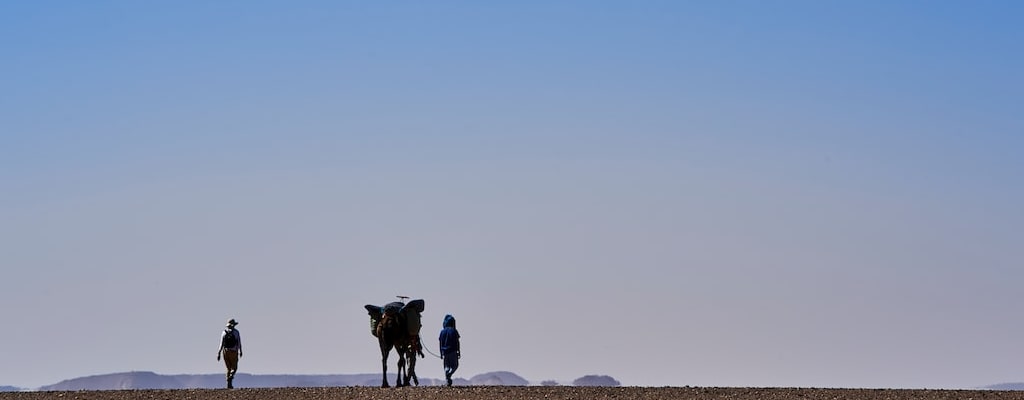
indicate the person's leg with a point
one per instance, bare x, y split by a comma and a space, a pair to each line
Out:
231, 362
227, 367
451, 363
444, 360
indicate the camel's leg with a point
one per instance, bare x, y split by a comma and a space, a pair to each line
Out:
384, 365
404, 370
412, 367
398, 375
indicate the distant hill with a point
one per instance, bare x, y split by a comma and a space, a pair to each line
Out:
1006, 386
596, 380
499, 378
149, 380
10, 389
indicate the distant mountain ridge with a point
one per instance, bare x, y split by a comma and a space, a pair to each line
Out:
151, 380
1006, 386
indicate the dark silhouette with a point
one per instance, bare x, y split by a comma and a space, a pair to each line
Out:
390, 324
231, 349
450, 350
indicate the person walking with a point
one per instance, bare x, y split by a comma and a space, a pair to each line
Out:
450, 351
231, 349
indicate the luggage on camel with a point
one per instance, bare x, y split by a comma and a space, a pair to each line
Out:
393, 307
412, 312
408, 314
376, 314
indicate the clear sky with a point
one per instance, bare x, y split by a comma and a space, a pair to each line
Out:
728, 193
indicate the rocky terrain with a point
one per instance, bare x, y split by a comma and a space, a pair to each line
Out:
516, 393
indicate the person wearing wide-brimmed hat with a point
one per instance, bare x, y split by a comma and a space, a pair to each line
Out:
231, 349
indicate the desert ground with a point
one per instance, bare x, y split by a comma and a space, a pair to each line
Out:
515, 393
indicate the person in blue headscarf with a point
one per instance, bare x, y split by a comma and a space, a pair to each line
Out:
450, 351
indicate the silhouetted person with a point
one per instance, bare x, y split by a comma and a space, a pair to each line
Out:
450, 351
231, 348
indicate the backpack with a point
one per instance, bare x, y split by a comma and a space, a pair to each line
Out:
229, 340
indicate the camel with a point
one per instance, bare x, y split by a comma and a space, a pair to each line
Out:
396, 325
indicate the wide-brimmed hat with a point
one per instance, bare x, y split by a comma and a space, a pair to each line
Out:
232, 322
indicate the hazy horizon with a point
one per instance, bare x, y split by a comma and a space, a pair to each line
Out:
145, 380
738, 193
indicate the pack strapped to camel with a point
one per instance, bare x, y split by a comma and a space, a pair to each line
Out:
396, 312
392, 316
376, 313
412, 312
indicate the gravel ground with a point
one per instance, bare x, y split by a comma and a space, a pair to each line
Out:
516, 393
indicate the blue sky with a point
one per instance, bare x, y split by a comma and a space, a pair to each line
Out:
671, 193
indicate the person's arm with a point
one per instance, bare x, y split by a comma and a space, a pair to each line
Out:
440, 344
221, 348
238, 337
